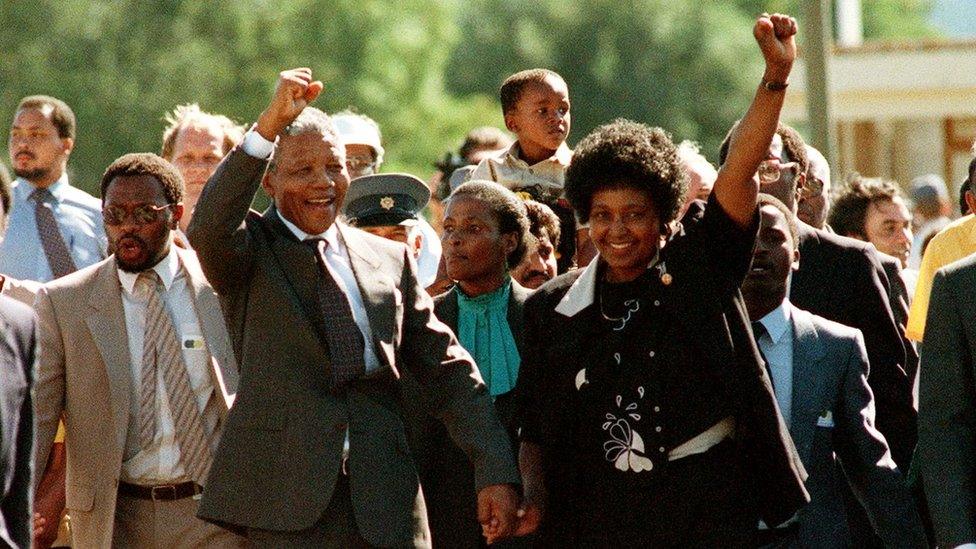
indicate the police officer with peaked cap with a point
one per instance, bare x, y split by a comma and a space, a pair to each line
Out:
388, 205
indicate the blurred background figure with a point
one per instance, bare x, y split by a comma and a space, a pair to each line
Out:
813, 204
195, 142
480, 143
364, 155
701, 173
539, 265
55, 228
874, 210
931, 209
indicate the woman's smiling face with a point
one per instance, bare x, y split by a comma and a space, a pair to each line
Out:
626, 230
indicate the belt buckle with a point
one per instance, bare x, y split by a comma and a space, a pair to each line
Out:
156, 491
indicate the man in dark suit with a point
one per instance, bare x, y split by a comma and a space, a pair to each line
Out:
347, 314
819, 370
947, 405
842, 279
18, 342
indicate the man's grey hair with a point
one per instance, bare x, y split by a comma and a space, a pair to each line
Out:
310, 121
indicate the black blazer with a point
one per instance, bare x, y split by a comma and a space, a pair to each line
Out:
842, 279
446, 476
18, 342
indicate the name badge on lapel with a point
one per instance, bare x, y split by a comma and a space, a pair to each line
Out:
193, 342
826, 420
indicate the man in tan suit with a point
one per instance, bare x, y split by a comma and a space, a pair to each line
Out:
135, 356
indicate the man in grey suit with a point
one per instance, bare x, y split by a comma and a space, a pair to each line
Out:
324, 317
819, 373
18, 342
947, 405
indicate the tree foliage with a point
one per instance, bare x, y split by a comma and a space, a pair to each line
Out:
426, 70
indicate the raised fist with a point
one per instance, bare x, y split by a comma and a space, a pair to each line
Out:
294, 92
775, 33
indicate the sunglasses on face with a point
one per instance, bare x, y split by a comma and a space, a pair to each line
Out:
141, 215
771, 170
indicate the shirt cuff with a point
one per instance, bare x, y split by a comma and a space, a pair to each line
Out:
257, 146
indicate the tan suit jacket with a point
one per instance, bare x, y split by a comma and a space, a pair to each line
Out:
84, 374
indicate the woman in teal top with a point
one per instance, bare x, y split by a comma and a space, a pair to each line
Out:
485, 235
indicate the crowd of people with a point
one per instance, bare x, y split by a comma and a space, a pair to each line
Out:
619, 345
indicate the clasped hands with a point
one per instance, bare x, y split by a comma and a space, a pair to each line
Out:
501, 516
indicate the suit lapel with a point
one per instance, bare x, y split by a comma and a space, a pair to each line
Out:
301, 270
106, 321
447, 310
808, 352
223, 371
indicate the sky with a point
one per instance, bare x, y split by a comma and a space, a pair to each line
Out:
956, 18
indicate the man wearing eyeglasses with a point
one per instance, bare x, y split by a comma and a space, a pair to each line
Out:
135, 355
843, 280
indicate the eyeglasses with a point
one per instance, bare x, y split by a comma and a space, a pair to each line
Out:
141, 215
771, 170
812, 187
359, 164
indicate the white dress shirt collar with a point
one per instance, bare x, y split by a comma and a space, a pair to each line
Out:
777, 321
331, 235
167, 270
57, 189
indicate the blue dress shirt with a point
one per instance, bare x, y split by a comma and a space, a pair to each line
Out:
79, 217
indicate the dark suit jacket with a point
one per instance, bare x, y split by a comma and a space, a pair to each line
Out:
947, 404
842, 279
18, 341
445, 472
280, 455
833, 418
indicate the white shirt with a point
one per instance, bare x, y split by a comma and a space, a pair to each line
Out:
160, 463
777, 347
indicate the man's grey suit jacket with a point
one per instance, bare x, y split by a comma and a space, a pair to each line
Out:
279, 458
947, 404
833, 418
18, 343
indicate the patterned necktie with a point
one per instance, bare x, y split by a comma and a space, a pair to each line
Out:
758, 330
58, 256
343, 336
161, 350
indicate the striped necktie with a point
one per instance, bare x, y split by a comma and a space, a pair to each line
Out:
56, 250
759, 330
161, 351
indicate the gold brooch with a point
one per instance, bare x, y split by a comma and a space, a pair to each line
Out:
666, 279
387, 202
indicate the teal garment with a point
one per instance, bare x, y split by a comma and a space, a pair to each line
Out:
483, 330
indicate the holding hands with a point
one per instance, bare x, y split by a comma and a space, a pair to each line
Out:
775, 35
294, 92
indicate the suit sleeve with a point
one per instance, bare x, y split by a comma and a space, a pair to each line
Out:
453, 385
867, 461
17, 505
49, 385
217, 231
947, 423
892, 388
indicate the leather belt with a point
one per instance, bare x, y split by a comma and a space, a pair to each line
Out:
704, 441
160, 492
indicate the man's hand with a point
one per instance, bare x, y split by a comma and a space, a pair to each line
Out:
497, 506
295, 91
775, 33
529, 517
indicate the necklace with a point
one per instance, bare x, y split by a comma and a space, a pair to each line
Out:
632, 306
